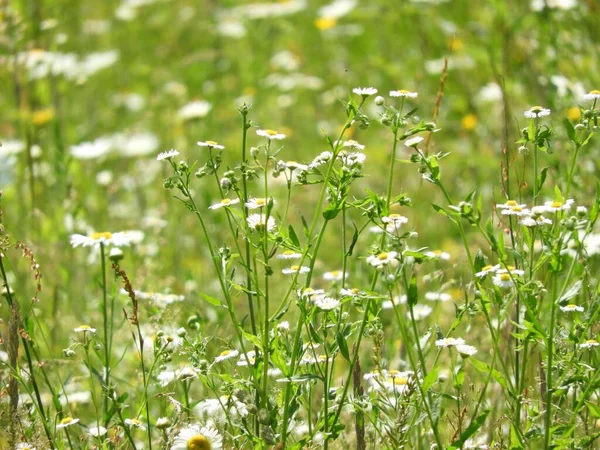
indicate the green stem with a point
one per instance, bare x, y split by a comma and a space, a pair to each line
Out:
105, 336
550, 347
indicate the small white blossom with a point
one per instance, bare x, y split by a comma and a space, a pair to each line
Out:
226, 354
97, 431
592, 95
327, 303
167, 155
383, 259
289, 254
259, 222
404, 93
365, 92
85, 329
67, 421
224, 203
466, 350
572, 308
335, 275
413, 142
194, 110
210, 144
270, 134
555, 206
536, 111
295, 269
449, 342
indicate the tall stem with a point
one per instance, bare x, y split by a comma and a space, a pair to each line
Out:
106, 332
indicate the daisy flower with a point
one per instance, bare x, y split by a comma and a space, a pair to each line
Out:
365, 92
395, 219
503, 281
84, 329
512, 270
592, 95
224, 202
509, 204
438, 254
67, 421
555, 206
590, 343
351, 143
194, 110
295, 269
334, 275
327, 303
270, 134
289, 254
25, 446
256, 203
530, 221
404, 93
120, 239
352, 292
227, 354
466, 350
167, 155
372, 375
383, 259
413, 142
97, 431
438, 297
308, 293
293, 165
449, 342
536, 111
135, 424
247, 359
487, 269
196, 437
420, 312
515, 210
572, 308
210, 144
259, 222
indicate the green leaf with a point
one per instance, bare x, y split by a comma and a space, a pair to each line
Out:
354, 240
542, 178
558, 197
570, 130
479, 262
440, 210
341, 340
209, 299
412, 294
470, 431
293, 236
430, 379
572, 292
331, 212
254, 340
486, 369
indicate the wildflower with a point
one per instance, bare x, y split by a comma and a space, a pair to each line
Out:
295, 269
270, 134
25, 446
420, 312
512, 270
256, 203
352, 292
97, 431
404, 93
120, 239
134, 423
260, 222
91, 150
383, 259
466, 350
413, 142
194, 110
85, 329
283, 325
572, 308
308, 293
292, 165
438, 254
373, 375
335, 275
503, 281
224, 203
289, 254
592, 95
351, 143
42, 116
247, 359
398, 300
167, 155
365, 92
438, 297
509, 204
67, 421
327, 303
514, 210
449, 342
469, 122
226, 354
530, 221
196, 437
536, 111
555, 206
320, 160
163, 423
590, 343
210, 144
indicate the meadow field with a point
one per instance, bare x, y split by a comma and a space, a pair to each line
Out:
293, 224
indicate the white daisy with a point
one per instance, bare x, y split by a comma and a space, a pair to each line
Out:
509, 204
194, 110
516, 210
226, 354
398, 300
555, 206
365, 92
85, 329
466, 350
224, 202
592, 95
503, 281
404, 93
320, 160
327, 303
373, 375
351, 143
25, 446
536, 111
308, 293
420, 312
289, 254
259, 222
196, 437
256, 203
295, 269
334, 275
449, 342
487, 269
438, 297
413, 142
590, 343
120, 239
97, 431
383, 259
211, 144
67, 421
270, 134
530, 221
167, 155
293, 165
512, 270
351, 292
572, 308
247, 359
134, 423
438, 254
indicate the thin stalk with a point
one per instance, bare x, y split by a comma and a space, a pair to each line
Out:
105, 337
550, 346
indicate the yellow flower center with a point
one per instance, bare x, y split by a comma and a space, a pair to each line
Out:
261, 201
295, 268
516, 208
510, 268
511, 203
394, 216
66, 420
505, 277
382, 256
226, 201
225, 353
85, 327
393, 373
211, 143
335, 273
198, 442
288, 252
556, 204
437, 252
101, 235
469, 122
355, 290
595, 92
591, 341
42, 117
488, 267
271, 132
325, 23
571, 307
403, 91
400, 381
537, 109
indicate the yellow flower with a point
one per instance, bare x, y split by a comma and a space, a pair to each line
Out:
469, 122
456, 44
574, 113
325, 23
42, 117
